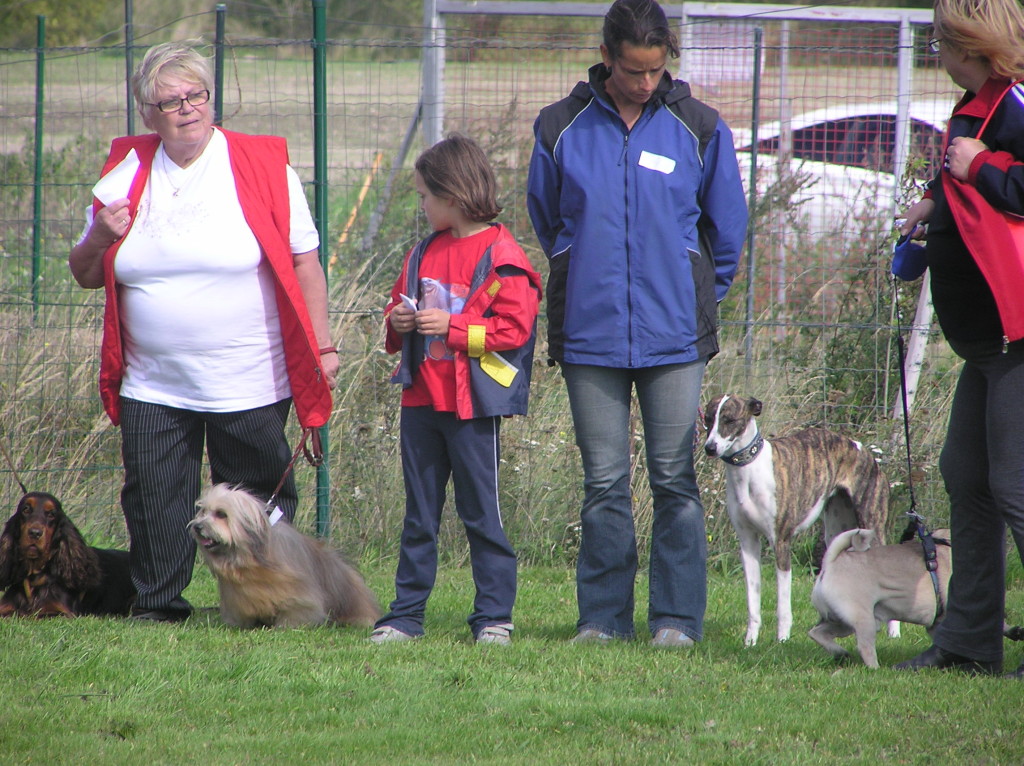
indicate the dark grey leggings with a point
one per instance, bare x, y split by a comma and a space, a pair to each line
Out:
982, 464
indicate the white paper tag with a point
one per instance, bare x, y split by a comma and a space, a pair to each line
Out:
275, 516
656, 162
117, 183
410, 303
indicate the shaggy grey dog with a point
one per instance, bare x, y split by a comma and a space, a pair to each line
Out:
272, 575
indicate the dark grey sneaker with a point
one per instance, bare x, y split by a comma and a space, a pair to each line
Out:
496, 634
670, 638
591, 636
386, 634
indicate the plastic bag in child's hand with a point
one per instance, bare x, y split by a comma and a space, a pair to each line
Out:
908, 259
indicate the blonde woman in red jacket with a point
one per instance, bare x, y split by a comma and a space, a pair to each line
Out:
976, 265
215, 316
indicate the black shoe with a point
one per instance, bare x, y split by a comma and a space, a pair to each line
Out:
940, 659
1018, 674
159, 615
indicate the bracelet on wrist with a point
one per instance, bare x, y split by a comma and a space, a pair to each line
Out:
328, 350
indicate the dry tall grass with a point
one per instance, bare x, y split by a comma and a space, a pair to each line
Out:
828, 361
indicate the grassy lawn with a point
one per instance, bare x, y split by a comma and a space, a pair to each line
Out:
108, 691
112, 692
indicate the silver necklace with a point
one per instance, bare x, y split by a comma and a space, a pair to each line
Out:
167, 174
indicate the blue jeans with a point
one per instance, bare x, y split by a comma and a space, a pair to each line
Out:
669, 397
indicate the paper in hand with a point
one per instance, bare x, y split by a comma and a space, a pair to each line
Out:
116, 184
410, 303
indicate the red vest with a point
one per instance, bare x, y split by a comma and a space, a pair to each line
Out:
996, 240
258, 164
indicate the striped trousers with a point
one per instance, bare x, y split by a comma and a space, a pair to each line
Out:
162, 450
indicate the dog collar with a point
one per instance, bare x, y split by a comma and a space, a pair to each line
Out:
748, 453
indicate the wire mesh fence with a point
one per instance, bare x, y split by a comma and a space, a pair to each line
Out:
808, 327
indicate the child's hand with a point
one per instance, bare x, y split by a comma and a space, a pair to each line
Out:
433, 322
402, 318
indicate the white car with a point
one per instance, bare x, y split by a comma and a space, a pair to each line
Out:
839, 181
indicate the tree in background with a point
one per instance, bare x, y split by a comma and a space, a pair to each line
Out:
101, 22
68, 22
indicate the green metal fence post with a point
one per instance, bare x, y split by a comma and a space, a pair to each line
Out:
755, 121
129, 65
323, 482
37, 180
218, 71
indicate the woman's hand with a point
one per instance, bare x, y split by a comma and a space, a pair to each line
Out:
961, 154
110, 224
918, 215
329, 363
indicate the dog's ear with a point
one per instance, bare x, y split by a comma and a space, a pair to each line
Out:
754, 405
710, 407
9, 550
863, 540
253, 524
74, 562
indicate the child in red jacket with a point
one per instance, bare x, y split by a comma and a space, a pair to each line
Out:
463, 314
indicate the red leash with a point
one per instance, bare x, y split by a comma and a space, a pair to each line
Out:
314, 456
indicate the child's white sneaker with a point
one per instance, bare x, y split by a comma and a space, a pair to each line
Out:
495, 634
386, 634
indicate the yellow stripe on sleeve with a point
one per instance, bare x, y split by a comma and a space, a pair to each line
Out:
475, 335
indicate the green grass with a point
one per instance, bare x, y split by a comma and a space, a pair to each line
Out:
109, 691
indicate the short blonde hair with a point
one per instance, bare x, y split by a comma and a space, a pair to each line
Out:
989, 29
457, 169
166, 60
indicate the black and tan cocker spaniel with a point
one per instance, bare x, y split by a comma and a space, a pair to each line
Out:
47, 570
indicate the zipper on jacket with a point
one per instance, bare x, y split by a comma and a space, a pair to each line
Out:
1006, 345
623, 161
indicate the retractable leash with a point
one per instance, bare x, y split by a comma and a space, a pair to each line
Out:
916, 524
314, 456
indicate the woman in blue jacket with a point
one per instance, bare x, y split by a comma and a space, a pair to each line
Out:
635, 195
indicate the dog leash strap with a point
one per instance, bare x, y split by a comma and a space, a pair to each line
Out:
931, 562
901, 348
314, 456
916, 523
915, 520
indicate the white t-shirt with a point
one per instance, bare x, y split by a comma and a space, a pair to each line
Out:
198, 307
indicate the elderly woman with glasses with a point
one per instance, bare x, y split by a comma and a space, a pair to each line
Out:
215, 318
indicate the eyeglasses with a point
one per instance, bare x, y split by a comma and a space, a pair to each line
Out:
174, 104
934, 44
